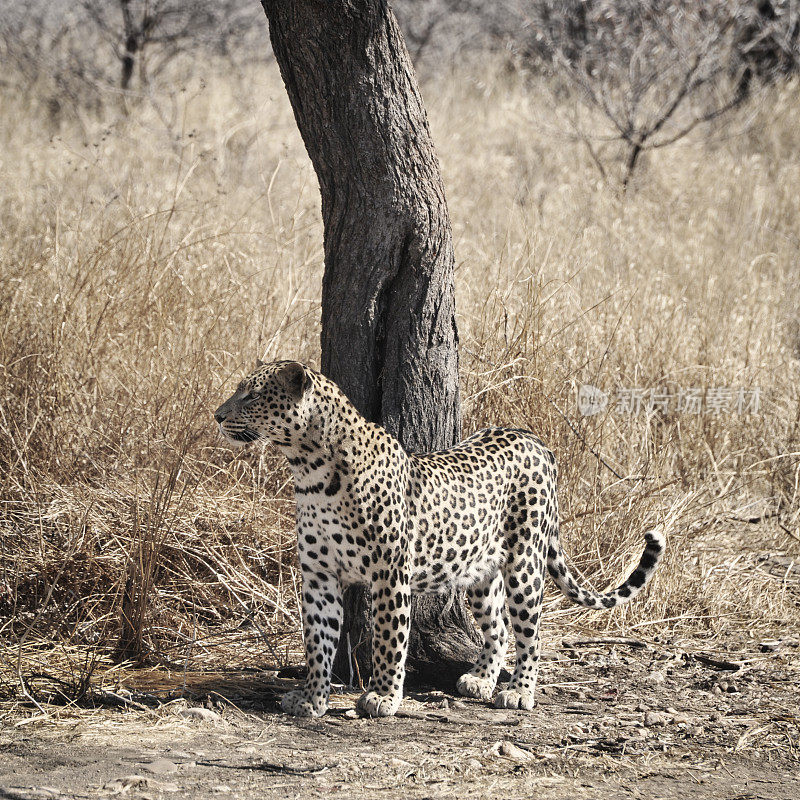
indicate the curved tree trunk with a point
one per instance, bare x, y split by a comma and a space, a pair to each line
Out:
389, 335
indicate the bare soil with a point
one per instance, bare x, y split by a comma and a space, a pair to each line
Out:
614, 718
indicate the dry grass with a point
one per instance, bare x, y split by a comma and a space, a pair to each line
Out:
146, 263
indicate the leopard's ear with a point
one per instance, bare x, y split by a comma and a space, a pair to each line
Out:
294, 378
259, 363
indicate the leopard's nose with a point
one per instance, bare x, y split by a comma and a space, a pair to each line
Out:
219, 415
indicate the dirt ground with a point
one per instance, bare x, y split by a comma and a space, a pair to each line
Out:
614, 718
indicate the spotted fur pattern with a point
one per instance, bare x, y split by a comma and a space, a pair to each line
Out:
482, 516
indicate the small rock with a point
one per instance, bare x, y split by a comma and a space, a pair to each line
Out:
161, 766
771, 645
203, 714
664, 656
123, 785
351, 713
473, 763
695, 730
656, 678
221, 788
510, 750
653, 718
577, 729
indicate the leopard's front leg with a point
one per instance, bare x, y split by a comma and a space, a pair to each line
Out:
391, 617
322, 618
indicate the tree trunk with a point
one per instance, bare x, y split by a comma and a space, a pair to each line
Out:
131, 46
389, 335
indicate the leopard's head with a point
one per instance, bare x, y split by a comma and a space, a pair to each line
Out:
272, 403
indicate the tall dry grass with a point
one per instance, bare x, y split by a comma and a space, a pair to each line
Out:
147, 260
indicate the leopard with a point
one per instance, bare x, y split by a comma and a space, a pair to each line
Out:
481, 516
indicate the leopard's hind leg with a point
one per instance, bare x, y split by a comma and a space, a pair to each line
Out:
487, 601
524, 575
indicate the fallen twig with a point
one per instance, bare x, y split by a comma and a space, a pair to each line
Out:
731, 666
571, 644
267, 766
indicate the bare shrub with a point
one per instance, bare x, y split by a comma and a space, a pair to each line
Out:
78, 58
649, 72
766, 43
147, 35
47, 61
655, 71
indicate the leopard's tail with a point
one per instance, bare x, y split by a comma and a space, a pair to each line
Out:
635, 582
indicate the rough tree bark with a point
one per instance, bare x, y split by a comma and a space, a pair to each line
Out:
389, 336
128, 58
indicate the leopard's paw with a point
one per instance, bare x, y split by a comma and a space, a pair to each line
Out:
372, 704
514, 698
472, 686
297, 704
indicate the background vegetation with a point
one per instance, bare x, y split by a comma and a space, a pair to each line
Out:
155, 240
